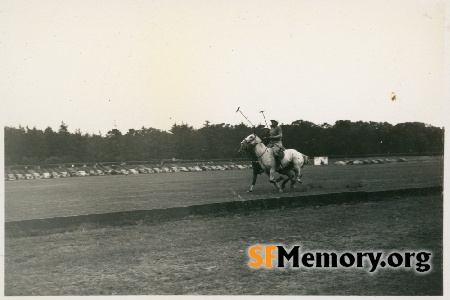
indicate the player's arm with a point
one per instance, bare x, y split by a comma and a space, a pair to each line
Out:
279, 134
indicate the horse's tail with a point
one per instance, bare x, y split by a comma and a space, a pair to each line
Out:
306, 159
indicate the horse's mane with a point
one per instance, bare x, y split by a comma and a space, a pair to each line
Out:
256, 137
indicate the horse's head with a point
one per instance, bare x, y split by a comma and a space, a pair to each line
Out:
248, 142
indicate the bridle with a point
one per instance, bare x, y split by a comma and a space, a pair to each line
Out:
247, 146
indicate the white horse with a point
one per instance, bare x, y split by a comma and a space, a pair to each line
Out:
291, 163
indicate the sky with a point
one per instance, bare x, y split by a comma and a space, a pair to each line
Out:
97, 65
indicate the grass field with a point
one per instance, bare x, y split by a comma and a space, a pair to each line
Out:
207, 255
34, 199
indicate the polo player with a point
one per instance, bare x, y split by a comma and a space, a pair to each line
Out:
275, 136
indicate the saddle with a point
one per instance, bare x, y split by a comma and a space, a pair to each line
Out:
280, 152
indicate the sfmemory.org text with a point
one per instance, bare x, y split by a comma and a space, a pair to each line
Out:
278, 256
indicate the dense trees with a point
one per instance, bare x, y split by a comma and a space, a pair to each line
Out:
215, 141
364, 138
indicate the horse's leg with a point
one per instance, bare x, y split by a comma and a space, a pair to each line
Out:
255, 175
272, 180
281, 178
283, 185
295, 178
300, 174
299, 179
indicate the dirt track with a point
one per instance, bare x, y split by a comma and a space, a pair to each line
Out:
77, 196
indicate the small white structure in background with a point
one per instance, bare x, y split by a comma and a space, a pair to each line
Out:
320, 160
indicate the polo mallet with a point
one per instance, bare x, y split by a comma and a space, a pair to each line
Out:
264, 118
238, 110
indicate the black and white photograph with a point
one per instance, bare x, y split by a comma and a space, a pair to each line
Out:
223, 148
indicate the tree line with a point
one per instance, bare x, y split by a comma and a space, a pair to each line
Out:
28, 146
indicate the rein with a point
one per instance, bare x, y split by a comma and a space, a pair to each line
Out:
264, 150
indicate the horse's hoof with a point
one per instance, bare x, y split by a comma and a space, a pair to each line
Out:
281, 191
249, 191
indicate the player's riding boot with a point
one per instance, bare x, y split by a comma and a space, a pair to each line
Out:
277, 163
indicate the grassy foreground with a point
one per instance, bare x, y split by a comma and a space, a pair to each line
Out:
208, 255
